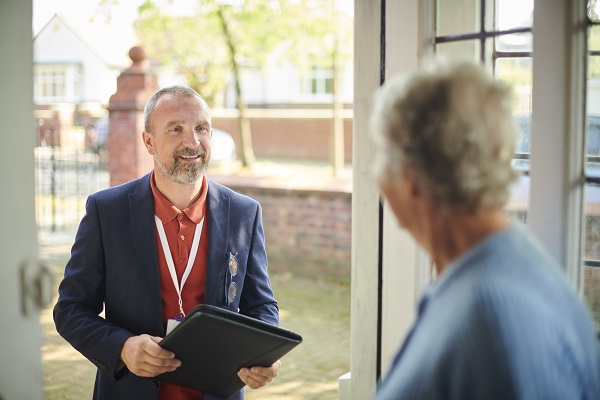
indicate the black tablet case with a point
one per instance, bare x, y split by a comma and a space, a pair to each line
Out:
213, 344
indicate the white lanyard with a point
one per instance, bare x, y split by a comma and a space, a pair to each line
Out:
169, 258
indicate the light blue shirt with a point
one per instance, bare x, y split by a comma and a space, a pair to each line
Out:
500, 322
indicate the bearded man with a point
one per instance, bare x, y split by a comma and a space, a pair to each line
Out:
150, 250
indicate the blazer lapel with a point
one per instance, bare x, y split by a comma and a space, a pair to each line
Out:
141, 207
218, 225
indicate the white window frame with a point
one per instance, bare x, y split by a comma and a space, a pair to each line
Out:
70, 83
387, 267
558, 120
316, 76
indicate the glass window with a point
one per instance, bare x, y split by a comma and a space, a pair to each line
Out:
459, 50
56, 83
499, 34
318, 82
593, 11
591, 267
513, 14
457, 16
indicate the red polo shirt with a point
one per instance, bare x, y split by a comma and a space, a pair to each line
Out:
180, 226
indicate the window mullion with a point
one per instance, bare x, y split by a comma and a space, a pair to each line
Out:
558, 106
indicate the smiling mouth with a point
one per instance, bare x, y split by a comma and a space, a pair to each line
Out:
190, 155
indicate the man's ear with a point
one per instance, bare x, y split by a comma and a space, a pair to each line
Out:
148, 140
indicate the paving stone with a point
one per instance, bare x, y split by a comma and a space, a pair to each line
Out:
319, 311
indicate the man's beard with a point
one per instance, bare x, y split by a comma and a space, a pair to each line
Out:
185, 173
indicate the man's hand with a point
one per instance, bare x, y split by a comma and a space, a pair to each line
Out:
257, 377
144, 357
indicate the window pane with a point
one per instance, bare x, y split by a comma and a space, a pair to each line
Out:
593, 146
459, 50
591, 268
457, 16
593, 107
593, 8
594, 46
57, 83
514, 14
591, 276
329, 85
515, 43
518, 72
518, 203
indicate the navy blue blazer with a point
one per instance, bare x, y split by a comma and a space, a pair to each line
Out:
114, 268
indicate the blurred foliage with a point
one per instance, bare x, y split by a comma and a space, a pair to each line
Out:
516, 71
185, 44
305, 33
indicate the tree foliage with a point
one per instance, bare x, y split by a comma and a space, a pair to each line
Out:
185, 44
305, 33
220, 37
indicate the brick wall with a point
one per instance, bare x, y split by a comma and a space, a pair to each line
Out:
127, 155
291, 138
307, 232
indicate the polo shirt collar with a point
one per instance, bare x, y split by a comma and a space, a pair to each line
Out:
166, 211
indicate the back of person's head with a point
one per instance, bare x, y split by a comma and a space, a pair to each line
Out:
451, 125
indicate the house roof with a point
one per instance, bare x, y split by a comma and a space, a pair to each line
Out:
112, 53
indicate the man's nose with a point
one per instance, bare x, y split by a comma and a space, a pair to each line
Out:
191, 138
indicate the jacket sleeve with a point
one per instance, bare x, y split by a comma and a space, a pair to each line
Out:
258, 300
81, 299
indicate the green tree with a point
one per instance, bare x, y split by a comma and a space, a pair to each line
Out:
185, 44
223, 36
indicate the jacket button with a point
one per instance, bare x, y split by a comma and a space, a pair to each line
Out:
154, 385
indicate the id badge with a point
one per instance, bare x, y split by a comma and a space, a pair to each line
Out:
172, 323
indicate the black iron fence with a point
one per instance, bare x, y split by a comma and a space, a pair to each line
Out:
64, 179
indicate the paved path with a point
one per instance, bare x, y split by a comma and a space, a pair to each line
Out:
318, 311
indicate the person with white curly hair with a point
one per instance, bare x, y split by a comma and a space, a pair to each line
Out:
499, 321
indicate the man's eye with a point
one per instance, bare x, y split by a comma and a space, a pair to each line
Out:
201, 128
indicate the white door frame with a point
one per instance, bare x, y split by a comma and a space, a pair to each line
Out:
20, 364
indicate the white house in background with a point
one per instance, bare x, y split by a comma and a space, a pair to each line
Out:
75, 75
69, 71
283, 83
73, 82
287, 84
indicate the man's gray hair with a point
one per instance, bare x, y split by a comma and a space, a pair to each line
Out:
174, 91
451, 124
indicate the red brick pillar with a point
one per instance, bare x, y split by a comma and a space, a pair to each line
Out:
127, 157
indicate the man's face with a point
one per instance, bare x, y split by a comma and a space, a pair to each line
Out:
181, 138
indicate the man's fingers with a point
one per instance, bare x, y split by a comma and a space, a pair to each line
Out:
149, 370
144, 357
257, 377
153, 348
253, 380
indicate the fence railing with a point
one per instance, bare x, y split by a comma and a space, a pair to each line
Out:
64, 179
